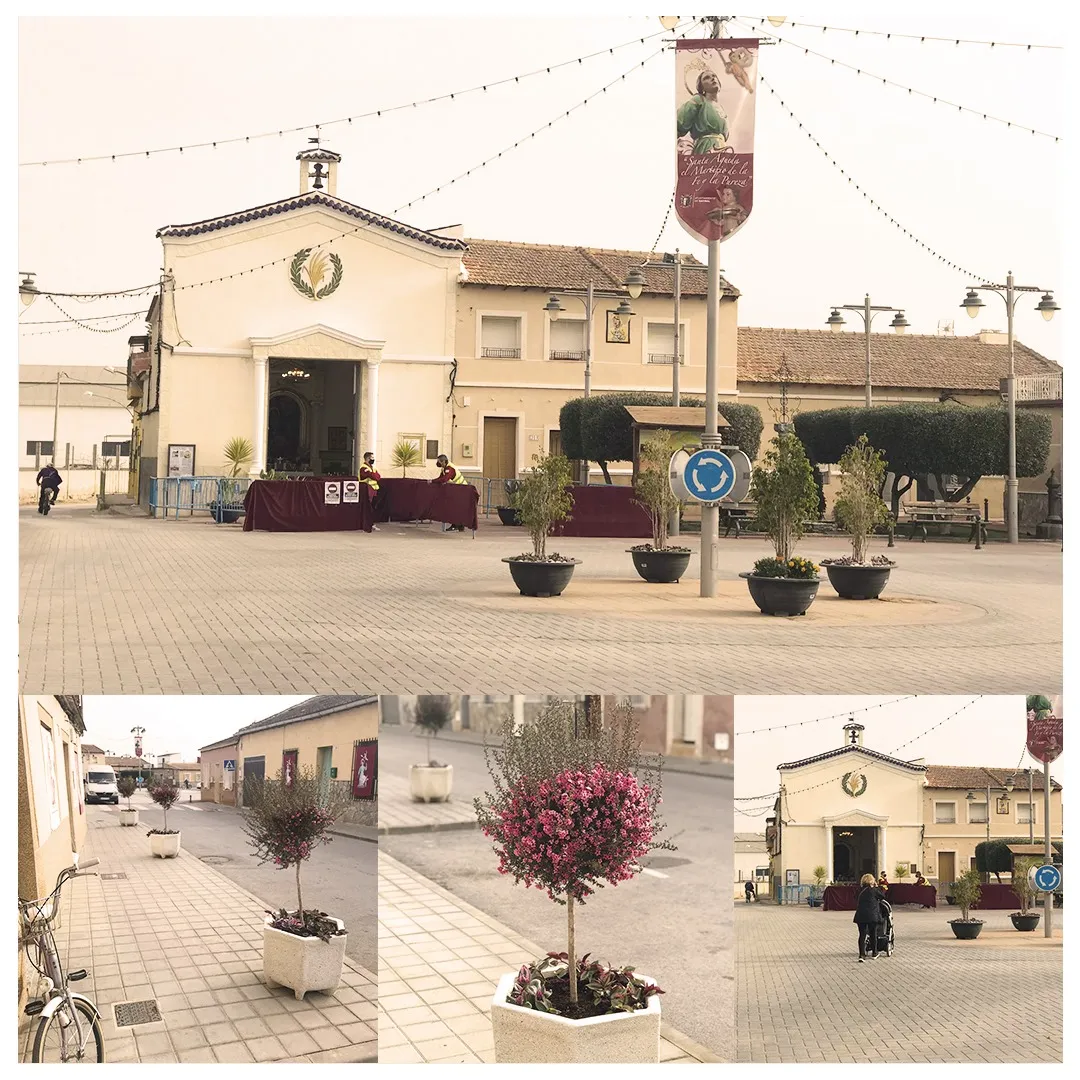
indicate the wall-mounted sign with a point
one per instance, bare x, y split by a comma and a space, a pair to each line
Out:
853, 783
315, 275
618, 328
181, 459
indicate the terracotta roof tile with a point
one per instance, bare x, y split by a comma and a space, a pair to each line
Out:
841, 751
921, 361
978, 776
554, 266
310, 709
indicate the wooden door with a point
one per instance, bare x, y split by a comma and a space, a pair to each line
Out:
500, 447
946, 866
554, 442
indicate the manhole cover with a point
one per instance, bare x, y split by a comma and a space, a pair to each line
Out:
656, 862
113, 877
215, 860
130, 1013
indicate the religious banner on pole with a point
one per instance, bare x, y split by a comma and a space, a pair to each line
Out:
365, 771
1045, 727
715, 82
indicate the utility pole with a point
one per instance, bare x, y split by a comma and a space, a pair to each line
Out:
1048, 851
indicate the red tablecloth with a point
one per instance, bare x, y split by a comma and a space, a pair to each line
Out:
300, 506
402, 498
996, 897
844, 897
605, 510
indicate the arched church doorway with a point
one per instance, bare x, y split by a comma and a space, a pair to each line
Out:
854, 852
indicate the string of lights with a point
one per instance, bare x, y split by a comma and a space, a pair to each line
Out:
83, 324
891, 34
667, 214
373, 113
83, 318
939, 723
911, 90
75, 325
858, 187
759, 812
820, 719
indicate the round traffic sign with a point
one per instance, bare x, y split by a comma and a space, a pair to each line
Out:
709, 475
1045, 878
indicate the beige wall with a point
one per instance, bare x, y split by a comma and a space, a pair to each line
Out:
219, 784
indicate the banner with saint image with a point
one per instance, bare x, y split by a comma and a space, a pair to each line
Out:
715, 81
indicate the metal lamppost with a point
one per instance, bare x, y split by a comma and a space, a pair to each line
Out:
1046, 307
56, 414
836, 321
588, 298
1008, 789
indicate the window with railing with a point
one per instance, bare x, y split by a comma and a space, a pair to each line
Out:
944, 813
977, 813
567, 341
660, 344
1025, 814
500, 337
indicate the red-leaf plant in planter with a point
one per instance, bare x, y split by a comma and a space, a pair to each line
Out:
568, 815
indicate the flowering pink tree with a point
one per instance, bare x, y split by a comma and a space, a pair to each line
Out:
569, 814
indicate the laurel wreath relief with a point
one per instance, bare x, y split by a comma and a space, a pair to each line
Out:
316, 272
854, 784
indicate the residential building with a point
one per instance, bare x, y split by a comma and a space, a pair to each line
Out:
93, 755
751, 864
183, 774
139, 768
219, 771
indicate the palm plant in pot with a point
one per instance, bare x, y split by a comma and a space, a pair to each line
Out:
542, 500
966, 893
783, 488
229, 505
285, 821
859, 509
126, 786
164, 842
657, 562
405, 456
431, 781
1025, 918
571, 812
817, 893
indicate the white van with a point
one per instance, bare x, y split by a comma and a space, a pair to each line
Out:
99, 784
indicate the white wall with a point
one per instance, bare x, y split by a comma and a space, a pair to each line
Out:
84, 427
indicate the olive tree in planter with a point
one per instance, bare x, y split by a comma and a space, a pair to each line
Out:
570, 813
966, 893
1025, 918
542, 500
164, 842
657, 562
783, 488
859, 509
126, 786
431, 781
285, 821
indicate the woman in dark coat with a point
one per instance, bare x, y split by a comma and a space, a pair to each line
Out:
868, 916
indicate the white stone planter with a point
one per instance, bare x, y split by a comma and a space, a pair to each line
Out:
430, 783
302, 964
129, 817
165, 845
525, 1035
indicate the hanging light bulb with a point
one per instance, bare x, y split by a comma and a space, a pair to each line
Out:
669, 22
776, 20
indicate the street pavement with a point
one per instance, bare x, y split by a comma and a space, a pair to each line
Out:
439, 962
674, 921
177, 932
113, 604
339, 877
802, 996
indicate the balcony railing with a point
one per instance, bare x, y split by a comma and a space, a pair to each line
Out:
1036, 387
665, 358
500, 354
566, 354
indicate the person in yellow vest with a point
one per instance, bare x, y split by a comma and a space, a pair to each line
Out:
449, 473
367, 476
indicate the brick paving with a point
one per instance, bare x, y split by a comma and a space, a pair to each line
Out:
399, 814
112, 604
802, 996
179, 932
439, 961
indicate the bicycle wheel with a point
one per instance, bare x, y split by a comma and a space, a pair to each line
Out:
56, 1042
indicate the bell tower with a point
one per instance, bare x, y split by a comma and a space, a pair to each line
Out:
318, 168
853, 733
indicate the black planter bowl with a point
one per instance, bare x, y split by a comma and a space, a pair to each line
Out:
660, 567
782, 596
508, 515
1025, 922
858, 582
541, 578
966, 929
223, 515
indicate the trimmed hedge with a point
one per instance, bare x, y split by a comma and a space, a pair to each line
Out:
994, 856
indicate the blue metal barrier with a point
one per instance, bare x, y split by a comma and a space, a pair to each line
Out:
187, 494
796, 894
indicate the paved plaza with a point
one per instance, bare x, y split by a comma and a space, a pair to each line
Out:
439, 961
114, 604
177, 932
802, 996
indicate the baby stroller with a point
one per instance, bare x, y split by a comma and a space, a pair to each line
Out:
886, 935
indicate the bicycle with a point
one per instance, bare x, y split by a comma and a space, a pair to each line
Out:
47, 499
68, 1020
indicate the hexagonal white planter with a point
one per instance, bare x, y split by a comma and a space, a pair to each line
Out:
430, 783
302, 964
165, 845
129, 817
525, 1035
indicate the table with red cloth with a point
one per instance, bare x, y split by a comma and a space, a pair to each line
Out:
845, 897
301, 506
605, 510
403, 498
996, 897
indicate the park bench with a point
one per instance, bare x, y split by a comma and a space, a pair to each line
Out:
736, 516
943, 515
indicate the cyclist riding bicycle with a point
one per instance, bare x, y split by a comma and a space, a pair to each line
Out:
48, 479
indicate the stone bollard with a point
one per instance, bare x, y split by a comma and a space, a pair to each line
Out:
1052, 528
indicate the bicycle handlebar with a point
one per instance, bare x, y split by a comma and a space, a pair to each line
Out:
86, 865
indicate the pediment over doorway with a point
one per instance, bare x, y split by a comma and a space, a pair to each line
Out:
854, 818
318, 342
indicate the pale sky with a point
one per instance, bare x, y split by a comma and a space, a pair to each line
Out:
983, 195
991, 732
174, 724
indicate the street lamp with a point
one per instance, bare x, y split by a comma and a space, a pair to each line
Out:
28, 291
1007, 788
835, 322
588, 298
1046, 307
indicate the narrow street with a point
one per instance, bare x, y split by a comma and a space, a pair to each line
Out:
674, 921
339, 878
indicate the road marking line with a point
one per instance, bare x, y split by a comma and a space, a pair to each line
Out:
653, 873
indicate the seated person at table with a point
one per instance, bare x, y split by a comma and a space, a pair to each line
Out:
883, 882
920, 880
449, 473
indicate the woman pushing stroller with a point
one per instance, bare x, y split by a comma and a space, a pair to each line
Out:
868, 916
